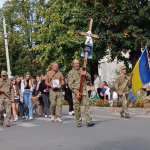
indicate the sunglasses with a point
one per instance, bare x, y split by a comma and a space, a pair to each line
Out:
3, 75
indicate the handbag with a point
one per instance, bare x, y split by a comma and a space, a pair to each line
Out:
34, 99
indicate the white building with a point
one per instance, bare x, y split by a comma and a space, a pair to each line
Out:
106, 69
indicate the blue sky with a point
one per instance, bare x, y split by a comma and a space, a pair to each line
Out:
1, 3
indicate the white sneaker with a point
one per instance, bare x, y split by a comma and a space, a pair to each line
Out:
15, 119
49, 116
70, 113
31, 118
4, 115
45, 116
26, 117
23, 117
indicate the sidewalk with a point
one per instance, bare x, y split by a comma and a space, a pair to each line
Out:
117, 109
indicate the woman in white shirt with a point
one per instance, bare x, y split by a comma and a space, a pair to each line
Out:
15, 104
26, 94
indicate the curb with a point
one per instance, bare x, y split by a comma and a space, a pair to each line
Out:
117, 109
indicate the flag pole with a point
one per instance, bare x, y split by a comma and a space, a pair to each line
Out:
147, 57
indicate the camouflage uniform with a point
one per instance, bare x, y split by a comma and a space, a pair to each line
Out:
55, 96
74, 83
5, 101
124, 98
56, 102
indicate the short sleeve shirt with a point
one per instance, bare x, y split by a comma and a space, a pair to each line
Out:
103, 90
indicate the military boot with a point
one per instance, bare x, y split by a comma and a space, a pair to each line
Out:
52, 118
59, 120
79, 125
7, 125
122, 116
90, 124
127, 116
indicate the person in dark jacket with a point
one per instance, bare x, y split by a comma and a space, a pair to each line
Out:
45, 95
100, 91
68, 97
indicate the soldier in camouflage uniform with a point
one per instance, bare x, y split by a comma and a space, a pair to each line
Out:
6, 97
122, 87
78, 98
56, 94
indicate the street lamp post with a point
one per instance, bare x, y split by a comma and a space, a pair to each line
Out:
6, 49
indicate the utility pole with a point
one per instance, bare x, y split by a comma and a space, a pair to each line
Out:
6, 49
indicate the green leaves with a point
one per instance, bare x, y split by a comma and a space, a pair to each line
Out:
49, 30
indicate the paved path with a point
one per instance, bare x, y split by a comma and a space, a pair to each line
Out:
110, 133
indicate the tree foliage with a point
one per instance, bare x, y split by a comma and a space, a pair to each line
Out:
49, 30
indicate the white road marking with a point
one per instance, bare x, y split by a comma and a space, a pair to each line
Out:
44, 119
110, 117
66, 121
68, 116
27, 125
142, 116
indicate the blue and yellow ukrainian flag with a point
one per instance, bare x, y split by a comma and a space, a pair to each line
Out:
141, 73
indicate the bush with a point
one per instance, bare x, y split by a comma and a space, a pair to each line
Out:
117, 104
100, 103
137, 103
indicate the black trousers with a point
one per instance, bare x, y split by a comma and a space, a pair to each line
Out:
46, 103
21, 110
89, 93
70, 101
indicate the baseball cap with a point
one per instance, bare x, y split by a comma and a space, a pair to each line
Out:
4, 73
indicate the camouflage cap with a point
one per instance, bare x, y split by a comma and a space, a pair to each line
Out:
123, 67
4, 73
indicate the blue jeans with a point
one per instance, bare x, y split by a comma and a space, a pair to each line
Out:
27, 102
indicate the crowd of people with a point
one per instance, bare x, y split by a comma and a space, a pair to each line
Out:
25, 88
47, 89
103, 92
16, 95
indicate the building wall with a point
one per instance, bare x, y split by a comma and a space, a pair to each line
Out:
107, 69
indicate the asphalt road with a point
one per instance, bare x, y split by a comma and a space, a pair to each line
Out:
110, 133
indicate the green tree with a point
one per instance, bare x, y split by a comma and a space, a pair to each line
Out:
20, 60
49, 29
123, 24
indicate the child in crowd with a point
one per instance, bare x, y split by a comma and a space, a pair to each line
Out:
114, 96
93, 96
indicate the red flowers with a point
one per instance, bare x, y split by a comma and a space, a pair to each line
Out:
11, 87
45, 90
